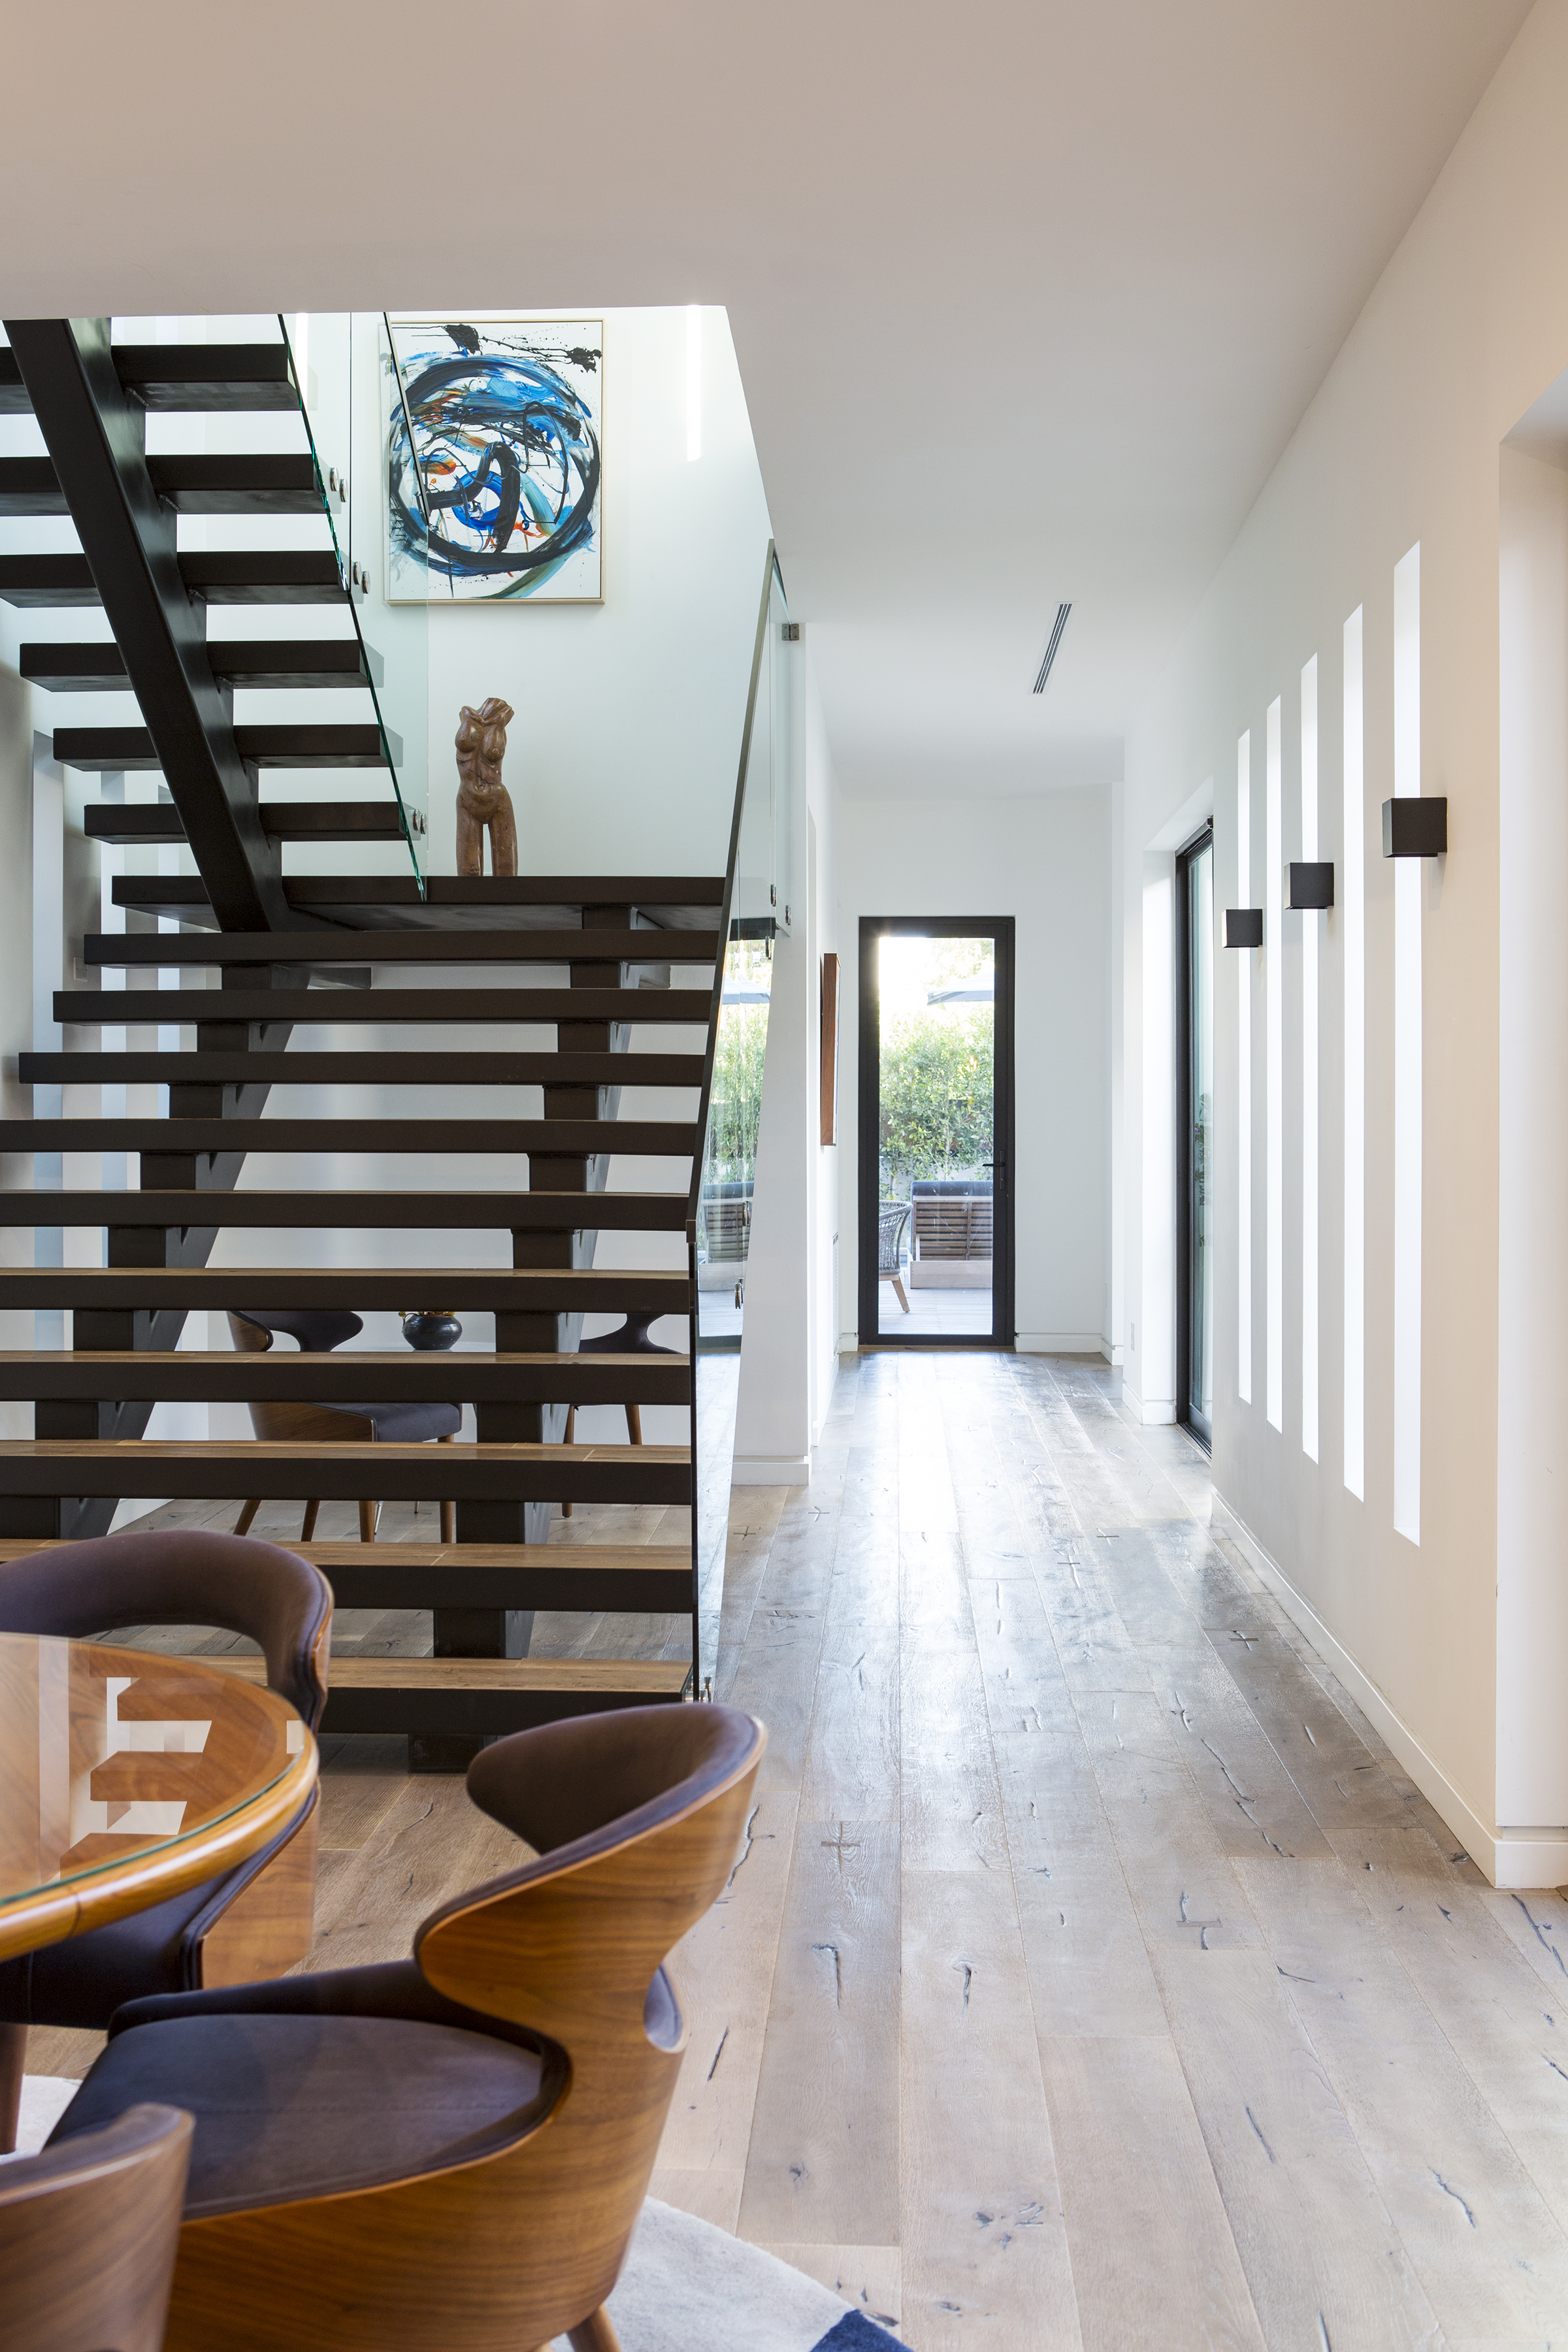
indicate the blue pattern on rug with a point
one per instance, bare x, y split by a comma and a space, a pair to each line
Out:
856, 2333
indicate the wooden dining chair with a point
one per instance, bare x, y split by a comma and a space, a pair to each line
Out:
449, 2154
256, 1920
89, 2234
281, 1423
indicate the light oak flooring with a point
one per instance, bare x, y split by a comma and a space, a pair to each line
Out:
1090, 1974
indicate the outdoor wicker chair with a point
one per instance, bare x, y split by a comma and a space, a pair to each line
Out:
891, 1219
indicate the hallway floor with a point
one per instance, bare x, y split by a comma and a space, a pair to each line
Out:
1093, 1975
1090, 1974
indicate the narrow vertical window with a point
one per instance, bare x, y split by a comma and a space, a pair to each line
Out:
1407, 890
1310, 1071
1353, 930
1274, 979
1244, 1078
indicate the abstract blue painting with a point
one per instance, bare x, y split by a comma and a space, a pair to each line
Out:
494, 458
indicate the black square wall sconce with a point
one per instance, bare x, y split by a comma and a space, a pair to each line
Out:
1414, 827
1311, 887
1243, 927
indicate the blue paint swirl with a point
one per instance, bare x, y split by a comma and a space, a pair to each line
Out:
508, 461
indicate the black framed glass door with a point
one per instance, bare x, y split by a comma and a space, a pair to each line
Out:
1195, 1136
936, 1132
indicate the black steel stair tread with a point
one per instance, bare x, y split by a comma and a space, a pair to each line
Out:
629, 1578
97, 666
528, 943
353, 744
694, 898
13, 399
248, 484
143, 822
207, 377
46, 580
330, 1067
30, 486
557, 1139
348, 1375
241, 484
222, 576
650, 890
541, 1211
293, 661
263, 577
566, 1290
452, 903
561, 1473
452, 1007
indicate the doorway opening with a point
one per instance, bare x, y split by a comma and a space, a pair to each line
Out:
1195, 1136
936, 1132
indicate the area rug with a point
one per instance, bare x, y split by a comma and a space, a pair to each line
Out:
686, 2286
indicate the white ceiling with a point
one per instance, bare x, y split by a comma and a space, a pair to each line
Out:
1028, 299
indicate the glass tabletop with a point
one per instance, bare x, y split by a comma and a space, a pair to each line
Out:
112, 1756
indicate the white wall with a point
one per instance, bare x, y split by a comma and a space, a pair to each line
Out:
1464, 332
622, 758
1045, 860
789, 1354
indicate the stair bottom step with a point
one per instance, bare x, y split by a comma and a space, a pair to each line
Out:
653, 1580
483, 1696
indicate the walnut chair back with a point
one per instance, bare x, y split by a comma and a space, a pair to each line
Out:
276, 1421
183, 1576
637, 1816
89, 2233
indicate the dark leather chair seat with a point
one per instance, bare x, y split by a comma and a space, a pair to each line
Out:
289, 2106
404, 1425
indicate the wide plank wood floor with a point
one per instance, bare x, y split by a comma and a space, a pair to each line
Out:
1090, 1974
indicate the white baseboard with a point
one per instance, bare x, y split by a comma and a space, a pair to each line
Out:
1058, 1343
1154, 1412
1525, 1857
770, 1470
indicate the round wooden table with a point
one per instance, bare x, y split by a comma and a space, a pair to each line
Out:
127, 1777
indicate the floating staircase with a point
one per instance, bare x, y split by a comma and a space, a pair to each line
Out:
592, 957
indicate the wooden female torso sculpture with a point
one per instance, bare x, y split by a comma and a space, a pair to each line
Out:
484, 804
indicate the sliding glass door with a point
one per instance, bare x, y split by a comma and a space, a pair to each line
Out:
936, 1120
1194, 1157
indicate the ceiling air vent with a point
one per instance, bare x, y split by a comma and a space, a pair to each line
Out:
1053, 645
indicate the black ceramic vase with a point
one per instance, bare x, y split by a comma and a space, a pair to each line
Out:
427, 1330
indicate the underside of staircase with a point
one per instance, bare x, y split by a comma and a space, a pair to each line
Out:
589, 957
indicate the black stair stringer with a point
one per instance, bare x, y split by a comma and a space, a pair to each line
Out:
96, 435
